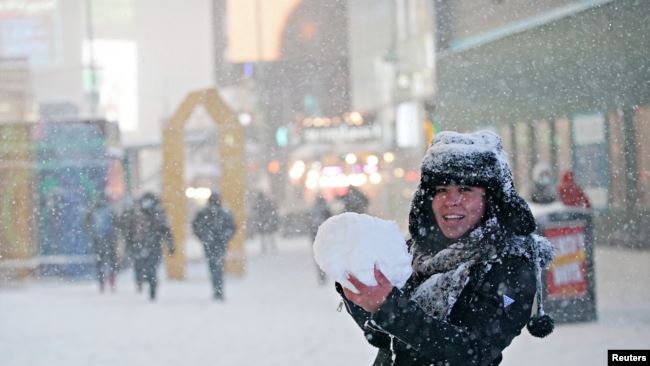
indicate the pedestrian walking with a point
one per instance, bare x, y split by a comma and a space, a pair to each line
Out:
215, 226
319, 213
268, 222
476, 264
355, 200
128, 225
100, 224
152, 231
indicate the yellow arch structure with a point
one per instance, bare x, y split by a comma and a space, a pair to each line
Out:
231, 182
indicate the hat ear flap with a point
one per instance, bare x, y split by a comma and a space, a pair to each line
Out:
515, 215
539, 325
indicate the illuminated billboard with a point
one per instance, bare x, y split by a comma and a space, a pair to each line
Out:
30, 29
255, 28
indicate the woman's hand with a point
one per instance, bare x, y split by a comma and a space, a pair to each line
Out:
370, 298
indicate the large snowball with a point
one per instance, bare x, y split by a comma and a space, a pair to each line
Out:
353, 243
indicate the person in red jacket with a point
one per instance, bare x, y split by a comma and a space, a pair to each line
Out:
570, 193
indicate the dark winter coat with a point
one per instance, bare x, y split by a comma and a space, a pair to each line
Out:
543, 193
478, 328
543, 188
214, 226
355, 201
266, 215
151, 233
484, 319
128, 227
318, 214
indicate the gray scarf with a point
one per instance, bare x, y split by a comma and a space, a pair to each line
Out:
448, 271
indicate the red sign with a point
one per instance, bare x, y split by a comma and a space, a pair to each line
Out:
567, 276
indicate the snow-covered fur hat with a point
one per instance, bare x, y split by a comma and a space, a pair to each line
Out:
474, 159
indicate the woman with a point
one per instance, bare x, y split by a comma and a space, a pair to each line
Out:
476, 264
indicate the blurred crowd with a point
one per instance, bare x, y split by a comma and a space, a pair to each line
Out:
143, 226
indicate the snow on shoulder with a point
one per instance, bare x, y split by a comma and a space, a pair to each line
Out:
353, 243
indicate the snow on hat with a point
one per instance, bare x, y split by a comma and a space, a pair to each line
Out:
475, 159
467, 158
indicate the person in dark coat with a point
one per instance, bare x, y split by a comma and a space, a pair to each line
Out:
543, 185
101, 224
570, 193
128, 227
268, 222
476, 264
355, 201
152, 231
214, 226
319, 213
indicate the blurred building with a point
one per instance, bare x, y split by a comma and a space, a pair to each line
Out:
565, 82
287, 60
16, 99
117, 60
392, 74
328, 88
339, 103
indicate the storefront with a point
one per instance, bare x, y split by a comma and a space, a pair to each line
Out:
351, 150
576, 79
571, 88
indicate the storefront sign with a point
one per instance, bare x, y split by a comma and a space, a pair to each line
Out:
342, 133
567, 276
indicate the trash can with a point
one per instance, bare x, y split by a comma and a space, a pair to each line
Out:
569, 287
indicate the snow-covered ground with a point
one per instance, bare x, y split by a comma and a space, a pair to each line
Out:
274, 315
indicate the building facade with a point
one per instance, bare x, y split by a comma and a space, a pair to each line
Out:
565, 82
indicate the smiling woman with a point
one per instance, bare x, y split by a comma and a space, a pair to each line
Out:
476, 264
458, 209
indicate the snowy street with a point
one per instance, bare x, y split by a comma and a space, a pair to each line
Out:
275, 315
264, 137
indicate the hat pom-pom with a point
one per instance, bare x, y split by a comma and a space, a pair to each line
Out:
540, 326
